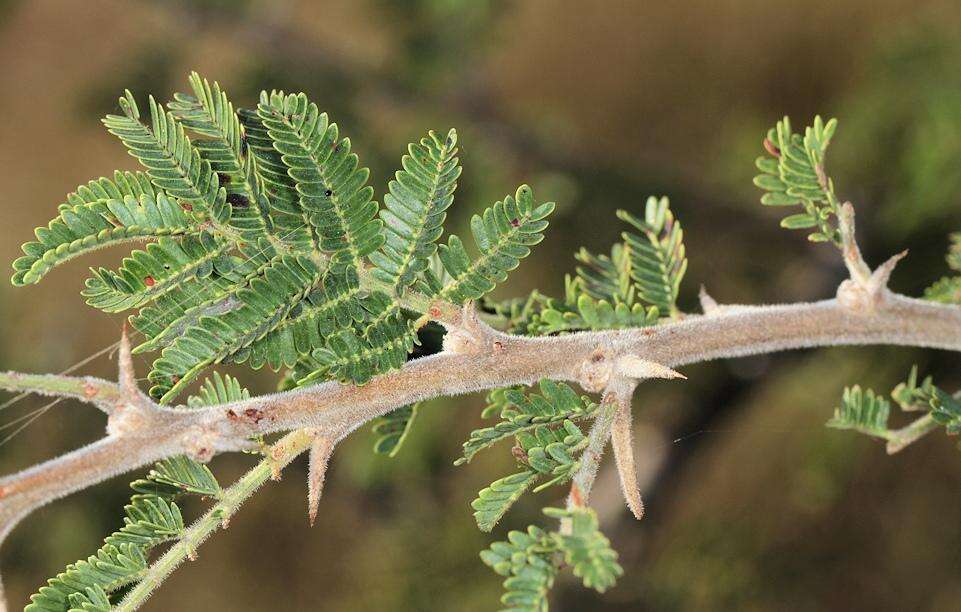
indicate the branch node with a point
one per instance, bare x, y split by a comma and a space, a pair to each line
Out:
866, 296
594, 373
466, 335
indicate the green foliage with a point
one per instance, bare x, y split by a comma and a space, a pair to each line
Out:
218, 389
948, 289
586, 550
547, 443
657, 256
503, 234
632, 287
545, 452
794, 175
176, 476
261, 306
531, 561
265, 245
862, 411
521, 412
866, 412
943, 407
415, 209
102, 213
392, 429
528, 562
579, 311
173, 164
209, 113
332, 188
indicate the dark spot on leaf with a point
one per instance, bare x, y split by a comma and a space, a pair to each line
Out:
222, 178
516, 222
238, 200
186, 206
328, 192
149, 281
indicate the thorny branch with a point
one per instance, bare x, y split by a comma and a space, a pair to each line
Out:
475, 357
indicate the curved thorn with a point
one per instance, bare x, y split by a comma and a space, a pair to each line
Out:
624, 459
320, 452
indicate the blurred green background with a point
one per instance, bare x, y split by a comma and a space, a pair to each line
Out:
752, 504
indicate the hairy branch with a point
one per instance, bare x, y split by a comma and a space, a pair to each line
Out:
332, 410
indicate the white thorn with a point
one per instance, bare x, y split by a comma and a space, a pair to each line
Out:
635, 367
881, 276
127, 378
708, 304
624, 459
320, 452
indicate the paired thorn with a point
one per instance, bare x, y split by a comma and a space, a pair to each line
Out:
633, 366
320, 452
708, 304
624, 459
127, 377
865, 287
880, 277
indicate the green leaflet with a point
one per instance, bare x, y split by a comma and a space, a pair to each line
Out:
529, 559
494, 501
521, 411
384, 345
503, 235
218, 389
172, 162
862, 411
586, 550
605, 277
110, 568
265, 302
332, 306
948, 289
291, 224
215, 296
331, 186
163, 317
392, 429
150, 520
794, 174
177, 476
101, 213
164, 265
657, 256
415, 209
587, 313
547, 452
209, 113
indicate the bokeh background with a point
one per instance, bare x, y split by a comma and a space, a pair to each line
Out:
753, 505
